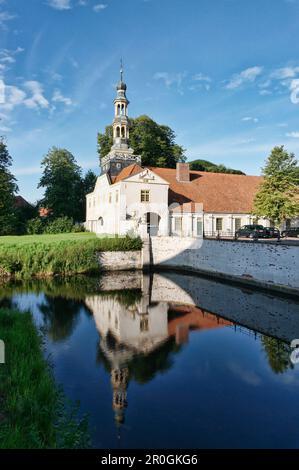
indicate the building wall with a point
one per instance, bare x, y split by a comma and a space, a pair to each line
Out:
120, 260
266, 264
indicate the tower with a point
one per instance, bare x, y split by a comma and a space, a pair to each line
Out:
120, 155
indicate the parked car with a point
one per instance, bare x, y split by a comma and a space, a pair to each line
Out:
290, 232
250, 231
271, 232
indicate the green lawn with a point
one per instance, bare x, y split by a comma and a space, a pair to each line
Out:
64, 254
44, 238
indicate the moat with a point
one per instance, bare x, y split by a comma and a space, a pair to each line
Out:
170, 360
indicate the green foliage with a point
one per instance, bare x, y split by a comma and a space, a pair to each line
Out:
278, 354
33, 411
59, 225
23, 215
36, 226
205, 165
154, 142
63, 184
89, 182
8, 187
41, 225
65, 257
278, 196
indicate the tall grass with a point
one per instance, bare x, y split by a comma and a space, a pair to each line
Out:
33, 414
64, 257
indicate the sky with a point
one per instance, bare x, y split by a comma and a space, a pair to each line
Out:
224, 74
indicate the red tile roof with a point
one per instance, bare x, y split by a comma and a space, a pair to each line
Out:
21, 202
218, 192
126, 172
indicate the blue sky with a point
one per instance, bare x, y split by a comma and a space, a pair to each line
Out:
224, 74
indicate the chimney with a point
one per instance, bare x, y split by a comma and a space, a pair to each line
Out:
182, 172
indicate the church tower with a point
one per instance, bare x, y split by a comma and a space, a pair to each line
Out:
120, 155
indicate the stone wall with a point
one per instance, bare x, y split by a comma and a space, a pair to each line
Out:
268, 265
120, 260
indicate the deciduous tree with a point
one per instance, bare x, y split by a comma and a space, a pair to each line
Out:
8, 188
278, 196
155, 143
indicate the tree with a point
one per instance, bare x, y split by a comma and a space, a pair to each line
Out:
205, 165
8, 188
89, 182
278, 354
155, 143
63, 184
278, 196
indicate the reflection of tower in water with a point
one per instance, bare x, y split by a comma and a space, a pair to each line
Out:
119, 381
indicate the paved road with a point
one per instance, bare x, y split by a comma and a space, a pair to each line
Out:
283, 241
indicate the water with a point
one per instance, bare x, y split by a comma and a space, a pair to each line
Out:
170, 360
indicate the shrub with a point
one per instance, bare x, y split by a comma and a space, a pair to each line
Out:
36, 226
77, 228
59, 225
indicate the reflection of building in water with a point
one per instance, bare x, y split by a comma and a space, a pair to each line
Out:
137, 329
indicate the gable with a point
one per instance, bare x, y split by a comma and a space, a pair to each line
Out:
146, 176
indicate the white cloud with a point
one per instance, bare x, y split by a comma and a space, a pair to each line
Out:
170, 79
250, 118
294, 87
5, 129
37, 99
294, 135
4, 17
99, 7
265, 92
13, 96
247, 75
59, 98
7, 57
285, 72
200, 77
82, 3
60, 4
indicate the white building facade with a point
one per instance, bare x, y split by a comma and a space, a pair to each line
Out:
163, 201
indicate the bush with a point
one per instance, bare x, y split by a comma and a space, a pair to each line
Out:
77, 228
60, 225
36, 226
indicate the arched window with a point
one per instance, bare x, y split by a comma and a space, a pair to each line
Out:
123, 132
118, 131
122, 109
101, 221
118, 109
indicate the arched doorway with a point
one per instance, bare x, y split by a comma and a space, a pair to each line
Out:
152, 221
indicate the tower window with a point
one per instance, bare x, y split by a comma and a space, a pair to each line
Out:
116, 196
123, 132
122, 109
144, 195
118, 109
118, 132
110, 198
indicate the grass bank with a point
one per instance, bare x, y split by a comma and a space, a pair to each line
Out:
32, 410
29, 256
